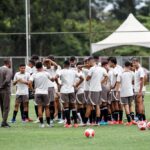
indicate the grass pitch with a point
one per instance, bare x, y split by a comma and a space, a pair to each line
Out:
28, 136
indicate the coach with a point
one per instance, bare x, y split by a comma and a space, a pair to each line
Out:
5, 84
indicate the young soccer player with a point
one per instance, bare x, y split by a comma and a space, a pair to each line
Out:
95, 75
139, 88
41, 80
67, 92
117, 111
21, 80
125, 84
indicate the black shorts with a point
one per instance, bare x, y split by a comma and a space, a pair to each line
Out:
68, 97
127, 100
80, 98
42, 99
22, 98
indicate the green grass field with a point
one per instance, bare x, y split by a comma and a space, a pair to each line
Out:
30, 137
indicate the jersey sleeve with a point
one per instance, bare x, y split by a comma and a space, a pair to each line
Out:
141, 73
32, 77
90, 72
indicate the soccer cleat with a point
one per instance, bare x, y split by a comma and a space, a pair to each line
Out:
42, 125
115, 122
37, 120
76, 125
67, 125
61, 121
49, 125
12, 120
128, 124
5, 125
110, 122
120, 122
134, 122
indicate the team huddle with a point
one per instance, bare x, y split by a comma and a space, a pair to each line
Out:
78, 94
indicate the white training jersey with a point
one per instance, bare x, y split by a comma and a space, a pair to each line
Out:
41, 82
80, 88
68, 78
86, 83
126, 79
97, 74
28, 69
115, 72
139, 73
22, 89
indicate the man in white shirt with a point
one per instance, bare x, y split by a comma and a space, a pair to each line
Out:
41, 80
67, 92
95, 75
21, 80
125, 84
117, 111
139, 88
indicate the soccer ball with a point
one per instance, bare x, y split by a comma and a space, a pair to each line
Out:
148, 125
142, 125
89, 133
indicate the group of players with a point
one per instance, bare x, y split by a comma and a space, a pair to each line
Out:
79, 93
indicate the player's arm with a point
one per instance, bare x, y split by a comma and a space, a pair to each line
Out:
141, 86
79, 82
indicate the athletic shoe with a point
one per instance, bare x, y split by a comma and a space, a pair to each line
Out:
49, 125
61, 121
134, 122
5, 125
115, 122
67, 125
128, 124
120, 122
110, 122
37, 120
42, 125
76, 125
103, 123
136, 119
13, 120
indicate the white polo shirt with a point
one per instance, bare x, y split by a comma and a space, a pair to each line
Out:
97, 74
86, 83
41, 82
22, 89
126, 79
139, 73
68, 79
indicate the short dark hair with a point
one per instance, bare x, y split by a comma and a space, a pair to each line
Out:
35, 57
22, 65
113, 60
32, 62
72, 58
127, 64
7, 61
51, 57
90, 58
39, 65
104, 63
79, 63
66, 63
96, 57
135, 59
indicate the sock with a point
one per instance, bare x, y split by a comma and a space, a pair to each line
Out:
41, 120
51, 112
116, 113
85, 120
120, 115
132, 115
91, 117
128, 117
97, 120
36, 110
144, 117
102, 113
14, 114
59, 115
113, 115
140, 117
67, 115
63, 115
94, 115
82, 113
48, 120
74, 114
109, 117
26, 114
105, 111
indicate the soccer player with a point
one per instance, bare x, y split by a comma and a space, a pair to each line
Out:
105, 107
41, 80
139, 88
125, 85
21, 80
67, 92
5, 84
96, 76
117, 111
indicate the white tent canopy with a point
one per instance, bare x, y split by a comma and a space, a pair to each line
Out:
131, 32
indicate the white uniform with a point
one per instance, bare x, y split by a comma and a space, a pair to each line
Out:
22, 89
